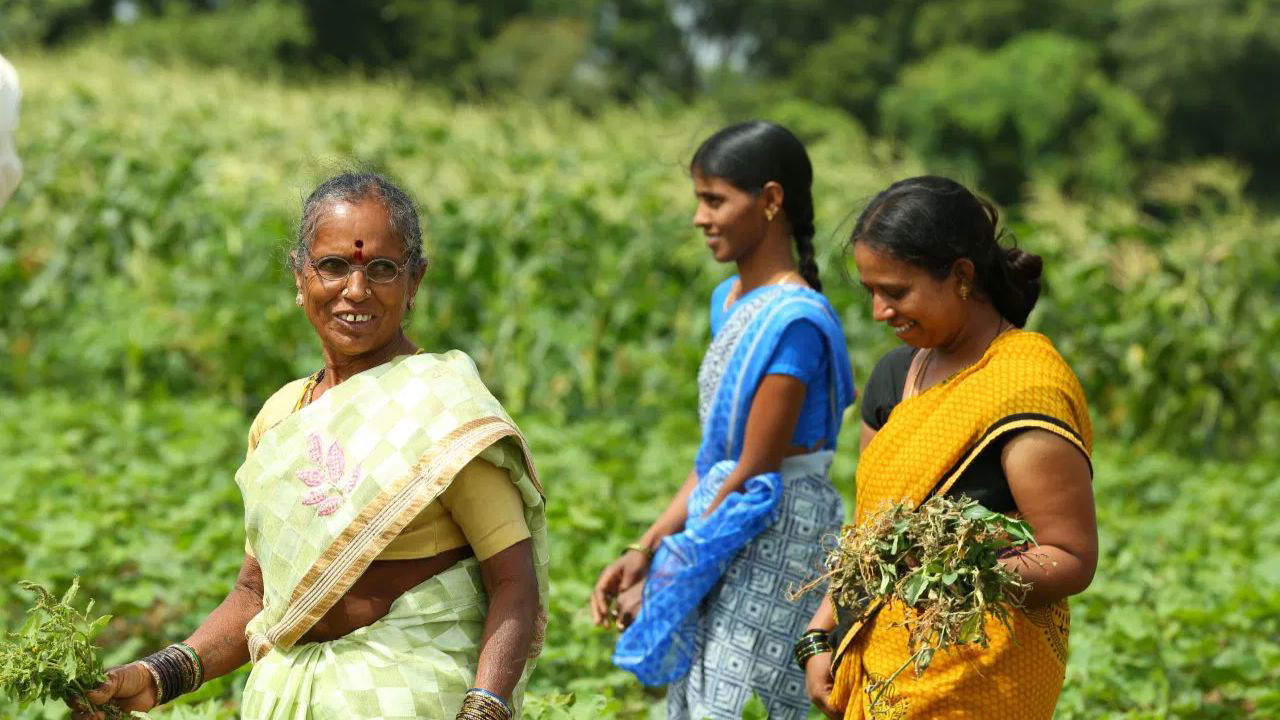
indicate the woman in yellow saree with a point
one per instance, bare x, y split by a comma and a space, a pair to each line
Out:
396, 555
973, 405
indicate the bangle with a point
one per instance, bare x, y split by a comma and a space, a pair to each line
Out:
160, 698
640, 548
813, 642
176, 669
480, 704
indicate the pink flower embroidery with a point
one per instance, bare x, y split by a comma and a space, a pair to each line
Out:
329, 488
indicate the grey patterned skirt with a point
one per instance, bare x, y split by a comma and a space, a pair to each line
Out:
746, 625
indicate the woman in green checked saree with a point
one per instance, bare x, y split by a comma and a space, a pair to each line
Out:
396, 556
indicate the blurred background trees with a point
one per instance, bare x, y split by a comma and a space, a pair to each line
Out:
1092, 96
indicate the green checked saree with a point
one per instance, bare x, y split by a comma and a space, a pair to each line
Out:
324, 492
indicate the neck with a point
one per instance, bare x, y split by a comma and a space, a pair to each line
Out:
768, 262
338, 368
968, 345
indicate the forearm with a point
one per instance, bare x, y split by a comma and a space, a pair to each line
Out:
825, 616
1052, 572
220, 640
508, 635
673, 518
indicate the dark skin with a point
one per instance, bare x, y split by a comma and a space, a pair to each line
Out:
750, 230
359, 325
1050, 479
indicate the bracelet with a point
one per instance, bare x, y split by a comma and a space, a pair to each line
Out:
480, 704
176, 669
156, 677
813, 642
639, 547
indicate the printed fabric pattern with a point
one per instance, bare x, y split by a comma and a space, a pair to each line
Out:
661, 645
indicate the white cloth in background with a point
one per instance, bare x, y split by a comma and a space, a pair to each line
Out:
10, 165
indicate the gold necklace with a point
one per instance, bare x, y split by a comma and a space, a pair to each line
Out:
924, 364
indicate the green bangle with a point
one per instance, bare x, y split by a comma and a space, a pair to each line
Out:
638, 547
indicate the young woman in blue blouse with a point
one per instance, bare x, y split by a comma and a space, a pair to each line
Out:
703, 594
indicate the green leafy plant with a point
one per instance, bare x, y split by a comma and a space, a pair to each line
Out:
52, 656
942, 561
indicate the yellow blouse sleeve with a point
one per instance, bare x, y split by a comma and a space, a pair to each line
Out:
487, 507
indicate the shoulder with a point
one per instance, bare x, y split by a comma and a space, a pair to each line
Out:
883, 390
1035, 378
1033, 357
277, 407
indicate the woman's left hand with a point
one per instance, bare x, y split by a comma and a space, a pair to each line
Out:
628, 605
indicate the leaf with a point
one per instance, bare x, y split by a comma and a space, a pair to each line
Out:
915, 587
336, 463
315, 497
950, 577
311, 477
314, 452
754, 709
976, 512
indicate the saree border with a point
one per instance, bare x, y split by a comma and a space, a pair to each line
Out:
355, 548
998, 429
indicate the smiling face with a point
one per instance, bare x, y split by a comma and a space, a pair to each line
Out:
367, 320
923, 311
732, 220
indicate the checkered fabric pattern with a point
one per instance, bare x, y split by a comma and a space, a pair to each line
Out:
417, 662
326, 489
1021, 382
747, 626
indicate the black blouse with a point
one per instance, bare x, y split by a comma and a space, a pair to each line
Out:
984, 480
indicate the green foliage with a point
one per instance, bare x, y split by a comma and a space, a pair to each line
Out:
942, 560
1208, 71
52, 656
1040, 104
255, 37
150, 314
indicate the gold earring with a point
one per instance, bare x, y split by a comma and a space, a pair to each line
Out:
769, 213
297, 300
964, 292
410, 303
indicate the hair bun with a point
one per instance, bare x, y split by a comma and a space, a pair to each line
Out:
1026, 266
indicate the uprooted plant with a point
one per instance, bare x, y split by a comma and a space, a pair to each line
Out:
52, 656
941, 561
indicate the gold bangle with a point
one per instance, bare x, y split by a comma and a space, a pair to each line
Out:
639, 547
155, 676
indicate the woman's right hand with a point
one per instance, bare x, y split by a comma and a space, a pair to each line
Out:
818, 683
619, 576
128, 687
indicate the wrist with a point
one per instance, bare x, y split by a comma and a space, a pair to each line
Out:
641, 547
814, 642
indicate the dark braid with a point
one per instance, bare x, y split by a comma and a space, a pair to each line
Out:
752, 154
800, 215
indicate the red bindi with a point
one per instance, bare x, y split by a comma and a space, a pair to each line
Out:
359, 256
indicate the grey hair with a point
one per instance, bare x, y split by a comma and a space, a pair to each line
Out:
351, 187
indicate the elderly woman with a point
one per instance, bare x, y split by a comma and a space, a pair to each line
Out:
396, 557
971, 405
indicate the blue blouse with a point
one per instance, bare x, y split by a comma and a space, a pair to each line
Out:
802, 354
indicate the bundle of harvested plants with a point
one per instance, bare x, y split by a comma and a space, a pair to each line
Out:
52, 656
941, 560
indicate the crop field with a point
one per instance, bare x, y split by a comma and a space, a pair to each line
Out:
148, 314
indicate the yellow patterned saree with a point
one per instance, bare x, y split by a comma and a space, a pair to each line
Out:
1021, 382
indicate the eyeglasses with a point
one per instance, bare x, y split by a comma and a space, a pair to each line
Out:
332, 268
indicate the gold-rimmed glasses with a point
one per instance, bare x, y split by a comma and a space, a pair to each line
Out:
333, 268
